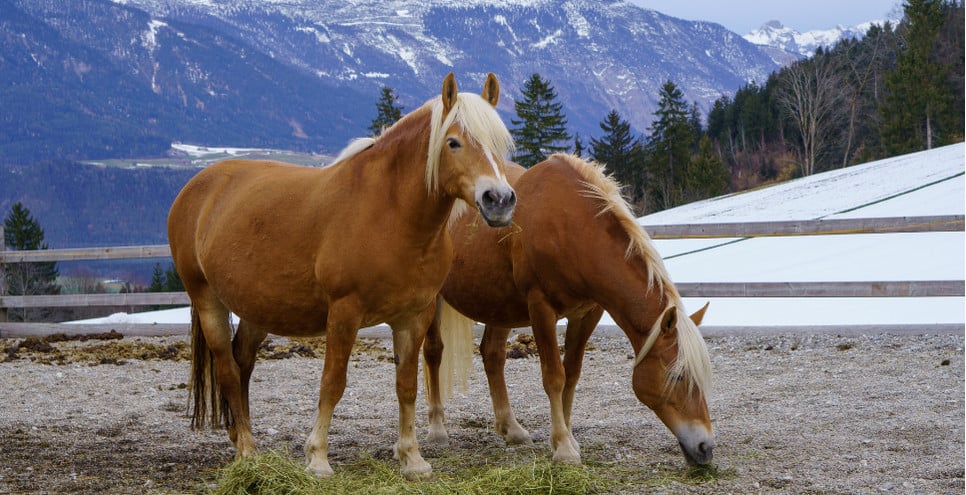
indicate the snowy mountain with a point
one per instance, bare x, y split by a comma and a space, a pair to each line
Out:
305, 74
781, 41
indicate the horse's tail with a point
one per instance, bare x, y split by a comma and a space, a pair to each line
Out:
456, 331
208, 403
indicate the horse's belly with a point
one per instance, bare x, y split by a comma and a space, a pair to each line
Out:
490, 305
292, 315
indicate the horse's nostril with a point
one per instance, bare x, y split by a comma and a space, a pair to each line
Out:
488, 198
492, 198
704, 448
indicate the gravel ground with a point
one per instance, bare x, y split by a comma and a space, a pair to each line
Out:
803, 414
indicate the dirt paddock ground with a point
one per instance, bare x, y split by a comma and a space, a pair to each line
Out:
793, 414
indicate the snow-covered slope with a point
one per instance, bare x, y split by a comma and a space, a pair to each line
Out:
925, 183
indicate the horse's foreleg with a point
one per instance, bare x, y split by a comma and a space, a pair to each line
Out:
433, 353
544, 323
214, 323
578, 332
343, 325
407, 338
245, 349
493, 350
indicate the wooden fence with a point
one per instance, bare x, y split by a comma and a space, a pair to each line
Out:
901, 288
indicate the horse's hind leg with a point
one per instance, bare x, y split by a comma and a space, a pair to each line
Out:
493, 350
433, 354
214, 323
544, 320
245, 349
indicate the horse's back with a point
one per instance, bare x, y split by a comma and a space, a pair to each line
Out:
241, 227
219, 199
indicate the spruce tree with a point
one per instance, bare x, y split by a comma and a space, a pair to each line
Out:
669, 148
172, 281
578, 146
916, 115
621, 154
387, 111
706, 175
157, 279
22, 232
541, 128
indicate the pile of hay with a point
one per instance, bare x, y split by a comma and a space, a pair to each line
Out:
278, 473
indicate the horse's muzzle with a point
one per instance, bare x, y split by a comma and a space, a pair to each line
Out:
696, 443
497, 205
701, 454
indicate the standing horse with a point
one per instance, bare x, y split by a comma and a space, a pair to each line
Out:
574, 250
301, 251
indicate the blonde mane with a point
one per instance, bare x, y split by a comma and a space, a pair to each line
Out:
475, 116
693, 362
605, 189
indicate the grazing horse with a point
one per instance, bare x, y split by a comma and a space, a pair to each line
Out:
574, 250
301, 251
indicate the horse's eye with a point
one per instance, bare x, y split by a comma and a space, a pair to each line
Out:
453, 143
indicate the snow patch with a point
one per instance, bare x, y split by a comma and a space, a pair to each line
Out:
549, 40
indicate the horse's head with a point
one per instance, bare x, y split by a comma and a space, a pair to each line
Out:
468, 145
671, 376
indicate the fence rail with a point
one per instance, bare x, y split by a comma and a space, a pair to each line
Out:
922, 288
835, 226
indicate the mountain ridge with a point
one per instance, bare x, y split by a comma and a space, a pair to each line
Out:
783, 41
305, 75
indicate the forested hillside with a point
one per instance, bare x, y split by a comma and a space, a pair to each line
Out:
897, 90
86, 205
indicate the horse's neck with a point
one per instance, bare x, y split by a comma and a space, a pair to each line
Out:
629, 299
401, 177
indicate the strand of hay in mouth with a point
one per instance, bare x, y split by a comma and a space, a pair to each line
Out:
277, 473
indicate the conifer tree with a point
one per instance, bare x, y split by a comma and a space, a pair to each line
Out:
387, 111
706, 175
621, 154
578, 146
22, 232
917, 113
541, 127
172, 281
157, 279
669, 148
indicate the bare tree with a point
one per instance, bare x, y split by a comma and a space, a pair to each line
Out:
863, 66
811, 95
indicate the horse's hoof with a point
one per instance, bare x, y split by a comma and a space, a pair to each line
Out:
245, 451
567, 459
518, 437
422, 473
322, 470
566, 456
437, 440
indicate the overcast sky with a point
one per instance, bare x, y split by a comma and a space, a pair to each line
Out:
743, 16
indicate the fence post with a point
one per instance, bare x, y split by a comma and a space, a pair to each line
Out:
3, 275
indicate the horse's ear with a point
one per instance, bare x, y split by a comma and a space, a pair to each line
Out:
450, 92
669, 319
698, 315
491, 89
